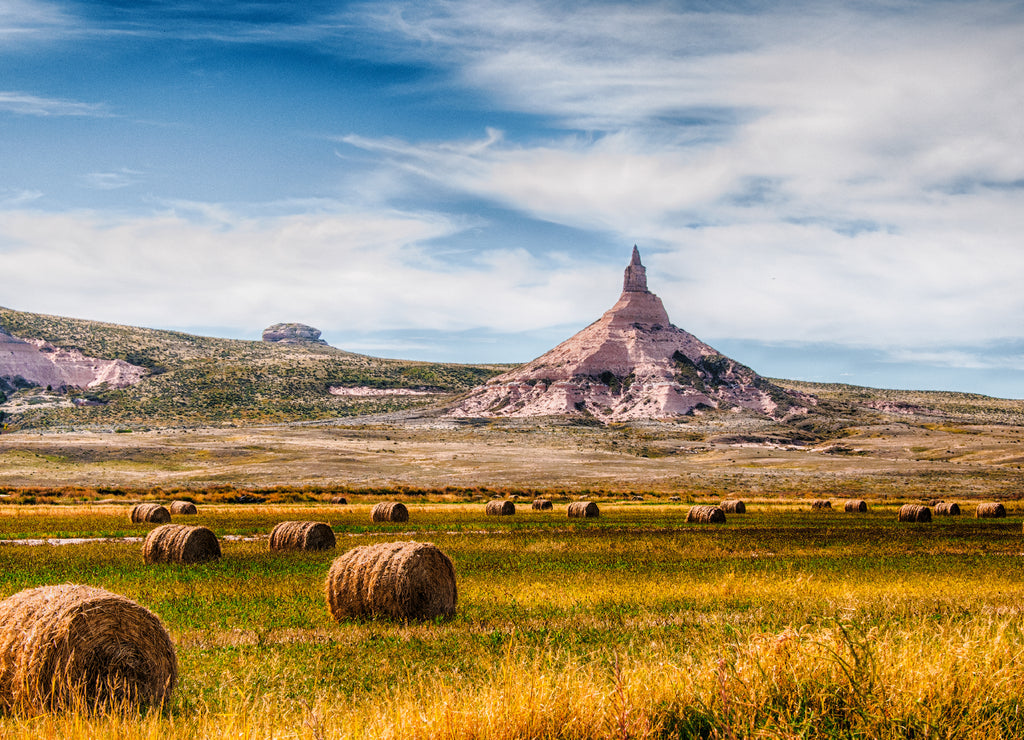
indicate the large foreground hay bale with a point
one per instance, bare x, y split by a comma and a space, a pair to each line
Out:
302, 536
703, 514
183, 507
500, 508
915, 513
542, 504
155, 513
69, 647
390, 511
991, 510
821, 503
947, 508
583, 510
393, 580
855, 506
180, 543
733, 506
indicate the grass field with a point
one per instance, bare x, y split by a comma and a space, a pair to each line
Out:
779, 623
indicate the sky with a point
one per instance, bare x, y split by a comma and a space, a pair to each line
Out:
825, 191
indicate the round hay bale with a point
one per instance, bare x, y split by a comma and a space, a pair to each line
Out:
500, 508
542, 504
392, 580
821, 503
180, 543
703, 514
733, 506
302, 536
583, 510
915, 513
183, 507
636, 497
142, 513
675, 498
339, 500
390, 511
855, 506
947, 508
991, 510
70, 646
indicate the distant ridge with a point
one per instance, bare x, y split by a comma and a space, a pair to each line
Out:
631, 364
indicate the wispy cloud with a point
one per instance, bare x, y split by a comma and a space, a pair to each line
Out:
34, 105
116, 180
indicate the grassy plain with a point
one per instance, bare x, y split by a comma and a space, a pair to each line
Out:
780, 623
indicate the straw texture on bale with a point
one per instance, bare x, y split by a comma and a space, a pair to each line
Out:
390, 511
183, 507
990, 510
733, 506
392, 580
339, 500
583, 510
180, 543
302, 536
705, 515
500, 508
856, 506
70, 646
541, 504
156, 513
821, 503
915, 513
947, 508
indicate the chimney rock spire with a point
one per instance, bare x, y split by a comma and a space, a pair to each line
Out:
635, 280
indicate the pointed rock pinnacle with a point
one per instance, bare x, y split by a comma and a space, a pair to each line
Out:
635, 280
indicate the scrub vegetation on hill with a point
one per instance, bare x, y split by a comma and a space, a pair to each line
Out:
196, 380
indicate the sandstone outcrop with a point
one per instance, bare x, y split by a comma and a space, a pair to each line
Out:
34, 362
292, 334
630, 364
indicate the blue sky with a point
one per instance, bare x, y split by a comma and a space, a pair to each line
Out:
830, 191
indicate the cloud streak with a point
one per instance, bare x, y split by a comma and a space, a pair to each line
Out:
33, 105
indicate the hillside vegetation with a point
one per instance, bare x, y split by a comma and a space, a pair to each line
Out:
196, 380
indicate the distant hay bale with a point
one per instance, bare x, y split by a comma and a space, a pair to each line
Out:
183, 507
180, 543
947, 508
155, 513
541, 504
636, 497
302, 536
991, 510
583, 510
821, 503
339, 500
70, 646
392, 580
703, 514
500, 508
855, 506
390, 511
675, 498
733, 506
915, 513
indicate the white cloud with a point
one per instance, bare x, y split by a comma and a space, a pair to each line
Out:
342, 270
116, 180
817, 173
33, 105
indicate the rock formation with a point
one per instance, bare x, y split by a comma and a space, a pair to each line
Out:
34, 362
632, 363
292, 334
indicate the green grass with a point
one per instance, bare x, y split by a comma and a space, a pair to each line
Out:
780, 623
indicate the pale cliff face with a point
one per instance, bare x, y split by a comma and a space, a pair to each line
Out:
630, 364
42, 364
